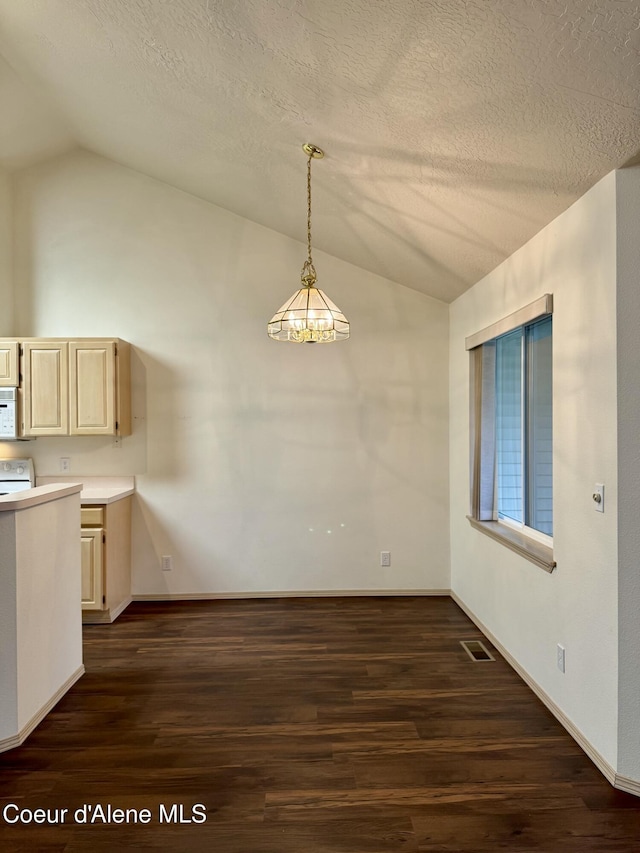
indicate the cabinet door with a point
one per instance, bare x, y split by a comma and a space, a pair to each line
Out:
91, 565
92, 395
45, 391
8, 363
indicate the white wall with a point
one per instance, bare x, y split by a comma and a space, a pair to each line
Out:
528, 610
6, 229
246, 451
628, 319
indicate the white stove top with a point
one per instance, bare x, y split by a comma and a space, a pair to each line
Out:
16, 475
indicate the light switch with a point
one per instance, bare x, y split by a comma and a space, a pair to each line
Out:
598, 497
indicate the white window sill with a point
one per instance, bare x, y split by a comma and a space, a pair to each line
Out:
516, 540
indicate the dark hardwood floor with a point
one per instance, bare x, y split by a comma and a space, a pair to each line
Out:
332, 725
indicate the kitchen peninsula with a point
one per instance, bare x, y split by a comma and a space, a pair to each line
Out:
40, 620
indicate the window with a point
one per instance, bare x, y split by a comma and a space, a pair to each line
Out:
511, 431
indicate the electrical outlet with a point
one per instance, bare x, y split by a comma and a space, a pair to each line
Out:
65, 464
117, 441
560, 657
167, 563
385, 558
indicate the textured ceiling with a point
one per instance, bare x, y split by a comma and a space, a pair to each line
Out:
453, 130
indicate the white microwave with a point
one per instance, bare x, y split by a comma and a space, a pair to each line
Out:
8, 413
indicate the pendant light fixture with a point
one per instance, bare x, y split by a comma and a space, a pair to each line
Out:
309, 316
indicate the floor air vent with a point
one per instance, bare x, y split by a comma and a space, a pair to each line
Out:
476, 650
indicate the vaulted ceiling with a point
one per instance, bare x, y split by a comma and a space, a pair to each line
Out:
453, 129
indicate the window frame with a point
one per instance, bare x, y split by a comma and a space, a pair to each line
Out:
535, 546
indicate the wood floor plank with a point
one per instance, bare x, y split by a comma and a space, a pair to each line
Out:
354, 725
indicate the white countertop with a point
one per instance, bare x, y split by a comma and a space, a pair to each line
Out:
39, 495
96, 490
104, 495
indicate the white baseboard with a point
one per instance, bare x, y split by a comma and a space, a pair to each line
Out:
281, 593
607, 770
119, 609
19, 738
624, 783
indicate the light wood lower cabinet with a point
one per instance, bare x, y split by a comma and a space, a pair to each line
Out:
106, 560
92, 540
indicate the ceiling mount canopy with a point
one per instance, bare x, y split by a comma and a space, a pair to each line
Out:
309, 316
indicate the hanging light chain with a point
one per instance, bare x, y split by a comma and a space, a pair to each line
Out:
309, 210
308, 274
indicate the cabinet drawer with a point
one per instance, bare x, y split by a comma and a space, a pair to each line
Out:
92, 516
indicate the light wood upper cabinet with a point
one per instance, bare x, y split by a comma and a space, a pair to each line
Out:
78, 387
92, 388
45, 388
8, 363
